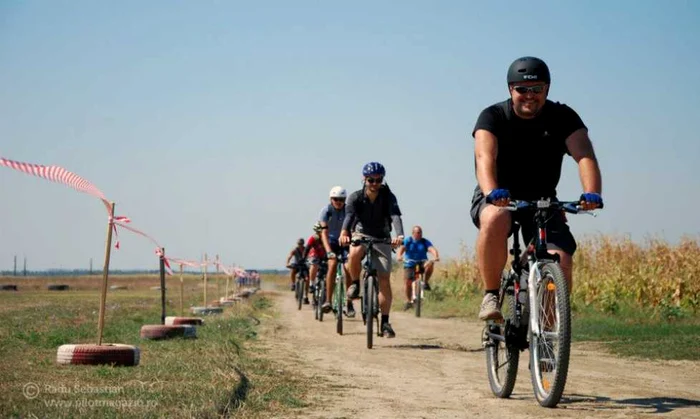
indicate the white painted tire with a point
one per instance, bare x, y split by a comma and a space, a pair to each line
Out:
109, 353
174, 321
118, 287
206, 311
157, 288
162, 331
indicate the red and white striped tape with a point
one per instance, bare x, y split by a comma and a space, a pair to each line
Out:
60, 175
185, 262
56, 174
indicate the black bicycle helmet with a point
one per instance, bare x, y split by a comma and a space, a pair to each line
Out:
528, 69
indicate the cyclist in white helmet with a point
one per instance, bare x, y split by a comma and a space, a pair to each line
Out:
331, 220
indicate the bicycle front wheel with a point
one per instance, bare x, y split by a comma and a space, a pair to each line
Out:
549, 351
339, 304
321, 298
369, 306
419, 294
502, 355
300, 291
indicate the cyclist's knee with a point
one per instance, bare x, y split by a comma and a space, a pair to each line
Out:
494, 221
356, 254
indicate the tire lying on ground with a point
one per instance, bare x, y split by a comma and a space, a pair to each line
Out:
162, 331
245, 293
157, 288
118, 287
205, 311
174, 321
8, 287
108, 353
61, 287
226, 302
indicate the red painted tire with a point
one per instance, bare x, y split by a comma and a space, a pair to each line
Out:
108, 353
161, 331
174, 321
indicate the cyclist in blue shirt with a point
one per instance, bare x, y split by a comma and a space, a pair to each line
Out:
416, 249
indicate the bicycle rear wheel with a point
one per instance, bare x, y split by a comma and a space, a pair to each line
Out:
369, 306
502, 354
549, 352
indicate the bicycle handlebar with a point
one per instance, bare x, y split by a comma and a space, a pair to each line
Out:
368, 240
572, 207
418, 261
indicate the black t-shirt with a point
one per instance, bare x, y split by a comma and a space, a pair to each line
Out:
371, 218
530, 151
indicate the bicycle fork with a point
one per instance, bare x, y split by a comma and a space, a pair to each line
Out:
533, 280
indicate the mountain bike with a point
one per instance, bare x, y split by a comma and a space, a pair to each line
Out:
300, 284
534, 300
339, 292
370, 290
319, 296
418, 284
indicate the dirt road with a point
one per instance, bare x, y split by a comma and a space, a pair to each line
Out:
435, 368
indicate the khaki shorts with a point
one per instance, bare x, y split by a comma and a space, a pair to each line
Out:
381, 259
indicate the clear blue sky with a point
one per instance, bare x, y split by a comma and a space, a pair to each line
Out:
219, 127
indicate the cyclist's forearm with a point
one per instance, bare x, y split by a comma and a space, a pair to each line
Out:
325, 240
398, 224
434, 252
486, 174
589, 172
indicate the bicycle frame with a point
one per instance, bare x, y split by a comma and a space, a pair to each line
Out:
419, 269
339, 281
536, 252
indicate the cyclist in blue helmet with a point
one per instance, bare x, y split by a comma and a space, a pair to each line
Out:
526, 132
370, 212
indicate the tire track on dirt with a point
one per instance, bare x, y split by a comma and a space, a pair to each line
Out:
436, 368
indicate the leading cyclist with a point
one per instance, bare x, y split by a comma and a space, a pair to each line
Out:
519, 146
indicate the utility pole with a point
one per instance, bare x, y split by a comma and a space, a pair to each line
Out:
90, 266
14, 272
25, 266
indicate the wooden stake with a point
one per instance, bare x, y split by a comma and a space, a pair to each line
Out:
105, 275
228, 278
162, 285
218, 288
182, 294
205, 280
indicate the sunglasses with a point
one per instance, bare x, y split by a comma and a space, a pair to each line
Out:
373, 180
527, 89
338, 199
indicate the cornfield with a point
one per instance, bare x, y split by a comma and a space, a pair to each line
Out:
610, 270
